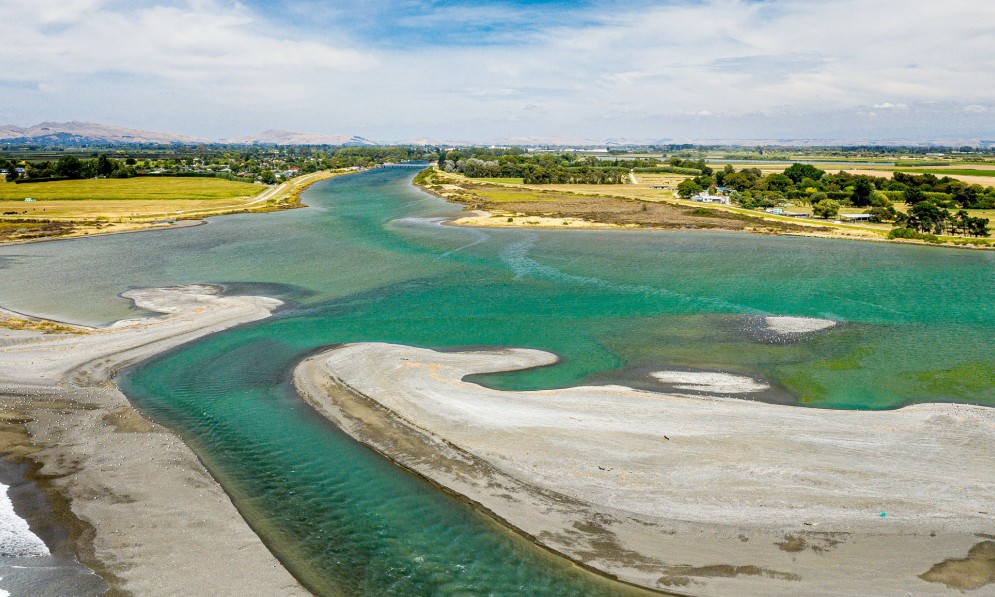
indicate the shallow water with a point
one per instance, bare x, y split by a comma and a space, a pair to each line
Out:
369, 261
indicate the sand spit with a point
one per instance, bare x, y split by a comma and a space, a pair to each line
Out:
145, 514
797, 325
716, 383
696, 495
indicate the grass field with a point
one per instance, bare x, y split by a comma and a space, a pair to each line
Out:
503, 180
951, 172
81, 207
142, 188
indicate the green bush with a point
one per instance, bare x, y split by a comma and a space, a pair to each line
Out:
912, 234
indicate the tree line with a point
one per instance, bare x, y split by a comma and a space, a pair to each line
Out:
266, 164
544, 168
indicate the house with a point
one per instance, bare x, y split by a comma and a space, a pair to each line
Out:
705, 197
29, 200
857, 217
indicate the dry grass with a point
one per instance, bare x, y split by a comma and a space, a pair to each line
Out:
110, 209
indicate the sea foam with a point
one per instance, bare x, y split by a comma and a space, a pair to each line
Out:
16, 538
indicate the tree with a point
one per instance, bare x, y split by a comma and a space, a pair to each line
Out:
914, 195
104, 165
964, 223
883, 213
777, 182
926, 216
268, 177
799, 172
827, 208
976, 227
863, 189
688, 188
967, 195
69, 166
88, 169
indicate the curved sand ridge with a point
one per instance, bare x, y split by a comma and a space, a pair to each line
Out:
698, 495
154, 522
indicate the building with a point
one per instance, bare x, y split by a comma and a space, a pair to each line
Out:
705, 197
857, 217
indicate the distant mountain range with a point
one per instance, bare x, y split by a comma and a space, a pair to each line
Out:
273, 137
71, 134
75, 134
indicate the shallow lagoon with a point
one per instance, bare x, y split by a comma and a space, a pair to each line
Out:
367, 261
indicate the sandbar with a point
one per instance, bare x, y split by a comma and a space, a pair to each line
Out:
142, 510
700, 495
797, 325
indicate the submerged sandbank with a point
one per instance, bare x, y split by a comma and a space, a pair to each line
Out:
143, 511
703, 495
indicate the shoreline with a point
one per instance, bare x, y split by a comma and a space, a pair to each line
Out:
482, 218
139, 505
286, 195
739, 497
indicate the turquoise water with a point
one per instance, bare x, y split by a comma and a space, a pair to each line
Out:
367, 261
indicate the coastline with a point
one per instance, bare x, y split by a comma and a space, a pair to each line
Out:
483, 215
286, 195
738, 497
138, 504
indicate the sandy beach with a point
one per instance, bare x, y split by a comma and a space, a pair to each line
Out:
693, 494
142, 510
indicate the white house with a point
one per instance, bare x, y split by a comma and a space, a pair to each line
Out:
705, 197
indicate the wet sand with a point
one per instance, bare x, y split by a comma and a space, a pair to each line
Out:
141, 509
702, 495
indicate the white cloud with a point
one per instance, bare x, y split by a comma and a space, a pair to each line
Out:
790, 68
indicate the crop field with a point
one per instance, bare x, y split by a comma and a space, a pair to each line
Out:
142, 188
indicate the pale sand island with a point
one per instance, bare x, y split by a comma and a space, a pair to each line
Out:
142, 510
700, 495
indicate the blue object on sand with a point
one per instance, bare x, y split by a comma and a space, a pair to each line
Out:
883, 515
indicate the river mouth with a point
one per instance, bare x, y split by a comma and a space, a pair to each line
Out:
614, 305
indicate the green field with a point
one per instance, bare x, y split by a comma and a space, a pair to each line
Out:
145, 188
948, 171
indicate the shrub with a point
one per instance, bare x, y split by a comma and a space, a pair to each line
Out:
912, 234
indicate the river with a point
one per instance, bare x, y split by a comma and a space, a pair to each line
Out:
370, 261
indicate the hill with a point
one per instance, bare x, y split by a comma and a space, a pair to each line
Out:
277, 137
80, 133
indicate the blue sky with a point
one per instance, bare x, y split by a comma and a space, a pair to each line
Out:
491, 70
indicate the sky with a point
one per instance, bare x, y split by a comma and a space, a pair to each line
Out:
486, 70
